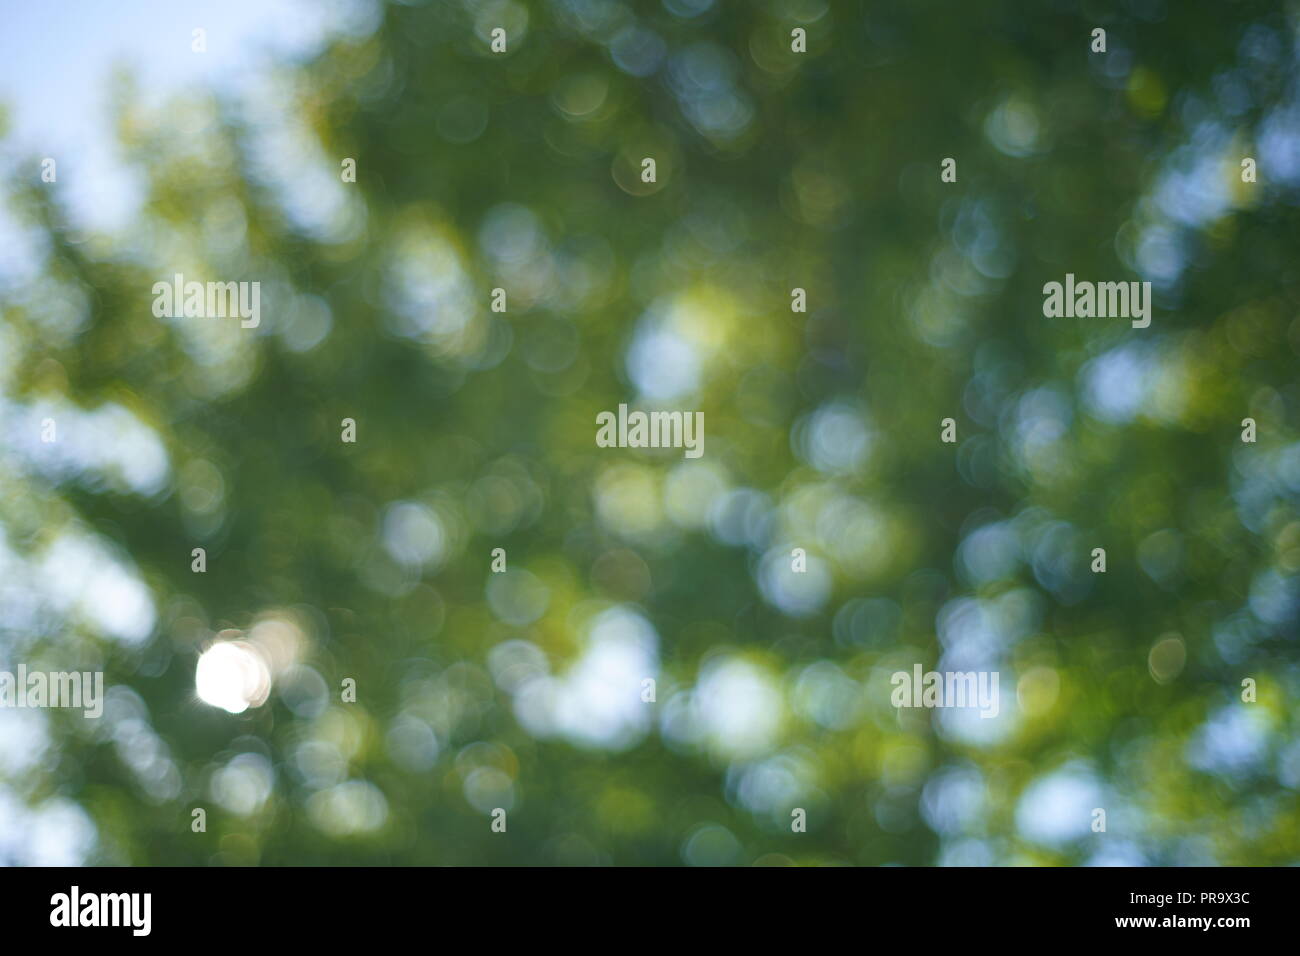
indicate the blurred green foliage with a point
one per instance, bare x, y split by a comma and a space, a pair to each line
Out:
775, 170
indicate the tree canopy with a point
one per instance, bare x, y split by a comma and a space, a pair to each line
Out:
524, 690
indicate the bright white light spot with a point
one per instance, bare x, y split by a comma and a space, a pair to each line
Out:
353, 807
244, 784
232, 675
662, 364
413, 535
739, 706
597, 702
797, 593
1057, 808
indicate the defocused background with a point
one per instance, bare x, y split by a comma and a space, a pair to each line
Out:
522, 690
